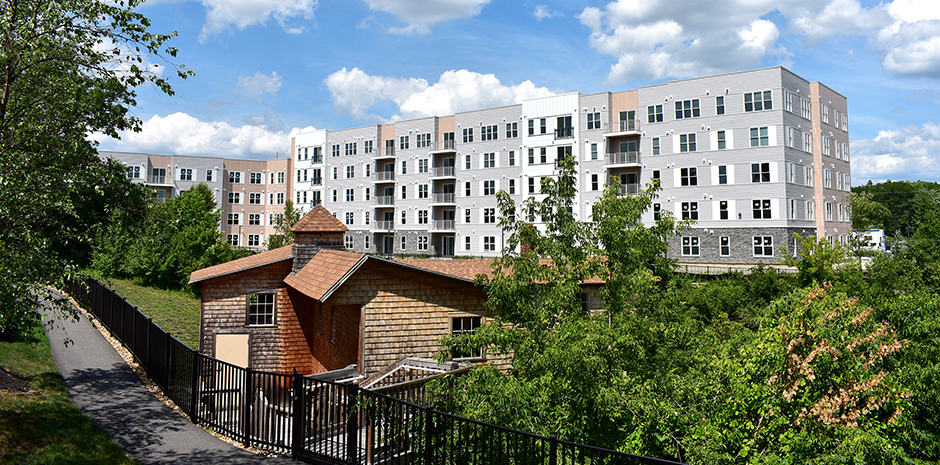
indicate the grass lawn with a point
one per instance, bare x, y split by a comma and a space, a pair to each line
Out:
176, 312
44, 425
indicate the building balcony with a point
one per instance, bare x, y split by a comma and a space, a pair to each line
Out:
446, 198
383, 176
621, 159
564, 133
317, 159
383, 200
157, 180
443, 172
624, 190
630, 126
386, 152
443, 225
444, 146
383, 226
317, 182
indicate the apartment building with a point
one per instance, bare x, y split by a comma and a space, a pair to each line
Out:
751, 156
249, 193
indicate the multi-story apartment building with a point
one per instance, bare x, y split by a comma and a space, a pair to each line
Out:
752, 157
249, 193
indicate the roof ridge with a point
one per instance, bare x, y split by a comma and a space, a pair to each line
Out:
319, 219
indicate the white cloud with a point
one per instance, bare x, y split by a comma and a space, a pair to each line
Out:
910, 152
542, 12
840, 17
419, 15
222, 15
254, 86
182, 134
355, 92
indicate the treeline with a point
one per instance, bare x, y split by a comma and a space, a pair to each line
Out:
831, 365
161, 243
898, 207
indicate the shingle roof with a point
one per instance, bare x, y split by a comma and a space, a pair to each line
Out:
324, 273
242, 264
319, 220
463, 269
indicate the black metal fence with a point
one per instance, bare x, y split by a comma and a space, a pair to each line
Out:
321, 421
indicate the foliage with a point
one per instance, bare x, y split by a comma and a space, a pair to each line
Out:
907, 202
867, 213
174, 239
69, 70
816, 259
282, 234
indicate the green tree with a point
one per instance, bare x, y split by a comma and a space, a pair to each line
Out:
816, 259
282, 234
866, 212
69, 69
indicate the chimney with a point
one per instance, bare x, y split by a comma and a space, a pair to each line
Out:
318, 229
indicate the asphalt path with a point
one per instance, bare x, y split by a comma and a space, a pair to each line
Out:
111, 394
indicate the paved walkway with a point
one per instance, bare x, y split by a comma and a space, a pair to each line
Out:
111, 394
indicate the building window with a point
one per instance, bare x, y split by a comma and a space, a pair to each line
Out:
208, 175
810, 214
348, 240
690, 246
233, 240
489, 160
654, 113
254, 219
531, 131
186, 174
489, 133
720, 105
512, 187
368, 193
594, 120
404, 192
350, 172
594, 182
367, 217
350, 219
690, 210
788, 101
531, 156
687, 143
254, 198
422, 217
423, 166
467, 189
367, 146
688, 176
792, 210
261, 309
655, 146
687, 109
724, 246
757, 101
761, 209
466, 243
461, 325
422, 191
512, 130
403, 142
760, 172
489, 243
723, 210
543, 126
235, 177
763, 246
423, 140
657, 211
350, 195
489, 187
404, 242
234, 197
367, 241
543, 155
468, 135
824, 109
827, 178
828, 211
467, 216
723, 174
722, 142
593, 151
825, 145
422, 243
404, 167
531, 185
133, 172
759, 137
404, 217
489, 215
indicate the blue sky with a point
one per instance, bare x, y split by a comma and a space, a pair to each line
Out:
267, 68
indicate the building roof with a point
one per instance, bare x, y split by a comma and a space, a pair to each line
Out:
319, 220
462, 269
325, 273
242, 264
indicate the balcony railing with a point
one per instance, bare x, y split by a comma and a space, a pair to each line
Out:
441, 171
384, 226
628, 189
443, 198
389, 151
317, 159
383, 200
445, 145
317, 181
630, 125
564, 133
383, 176
622, 158
444, 225
156, 179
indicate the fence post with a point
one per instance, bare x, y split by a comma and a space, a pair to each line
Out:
197, 375
297, 412
352, 424
553, 450
246, 408
428, 412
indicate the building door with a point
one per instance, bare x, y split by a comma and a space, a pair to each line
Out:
388, 244
447, 249
628, 178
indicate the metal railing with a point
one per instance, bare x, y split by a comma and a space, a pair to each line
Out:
384, 226
389, 151
628, 189
319, 421
444, 225
445, 145
622, 158
441, 171
383, 176
383, 200
630, 125
156, 179
443, 198
317, 181
564, 133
